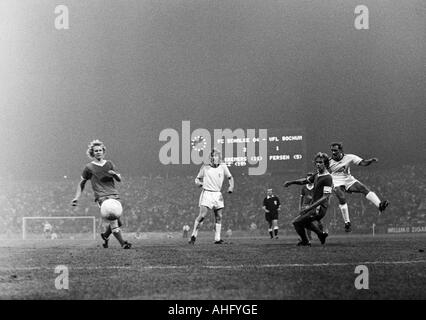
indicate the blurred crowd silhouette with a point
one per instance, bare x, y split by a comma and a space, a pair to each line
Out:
168, 203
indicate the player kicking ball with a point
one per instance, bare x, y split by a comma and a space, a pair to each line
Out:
344, 182
306, 195
102, 176
210, 178
317, 209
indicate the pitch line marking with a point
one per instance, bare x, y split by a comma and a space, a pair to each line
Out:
240, 266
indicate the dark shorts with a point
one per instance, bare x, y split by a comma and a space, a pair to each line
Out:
312, 215
102, 199
269, 216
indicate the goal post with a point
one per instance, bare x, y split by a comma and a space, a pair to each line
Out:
59, 227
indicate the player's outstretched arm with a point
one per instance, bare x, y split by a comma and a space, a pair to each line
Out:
231, 184
301, 203
298, 182
79, 191
199, 182
199, 178
367, 162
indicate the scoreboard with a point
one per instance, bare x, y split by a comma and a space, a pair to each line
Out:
281, 149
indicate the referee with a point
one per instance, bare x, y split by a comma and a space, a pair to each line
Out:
271, 206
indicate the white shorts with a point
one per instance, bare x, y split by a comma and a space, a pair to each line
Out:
346, 181
211, 199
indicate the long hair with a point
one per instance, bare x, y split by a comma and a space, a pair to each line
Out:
324, 157
95, 143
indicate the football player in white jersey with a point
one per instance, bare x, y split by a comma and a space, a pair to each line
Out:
47, 229
343, 181
210, 179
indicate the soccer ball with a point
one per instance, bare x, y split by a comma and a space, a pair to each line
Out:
111, 209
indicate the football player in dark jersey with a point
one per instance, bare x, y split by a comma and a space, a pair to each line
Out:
306, 195
317, 209
102, 175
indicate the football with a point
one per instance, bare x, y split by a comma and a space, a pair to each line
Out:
111, 209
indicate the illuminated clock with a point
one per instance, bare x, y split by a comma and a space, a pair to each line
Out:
198, 143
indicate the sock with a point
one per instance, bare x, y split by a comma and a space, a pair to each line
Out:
345, 212
118, 236
276, 231
373, 198
195, 231
270, 233
311, 226
217, 232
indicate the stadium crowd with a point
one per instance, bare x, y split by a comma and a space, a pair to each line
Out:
167, 204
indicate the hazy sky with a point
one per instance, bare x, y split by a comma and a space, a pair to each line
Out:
126, 70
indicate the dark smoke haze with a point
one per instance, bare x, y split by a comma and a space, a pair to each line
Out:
126, 70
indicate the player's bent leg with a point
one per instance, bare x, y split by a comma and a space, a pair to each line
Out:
105, 236
370, 195
307, 220
321, 235
383, 205
218, 226
275, 224
116, 231
299, 225
270, 230
118, 235
197, 223
343, 206
269, 220
358, 187
345, 214
320, 226
308, 234
339, 192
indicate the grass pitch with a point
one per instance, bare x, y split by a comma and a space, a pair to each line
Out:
163, 267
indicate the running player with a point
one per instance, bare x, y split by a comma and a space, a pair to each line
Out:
210, 179
343, 181
47, 230
102, 175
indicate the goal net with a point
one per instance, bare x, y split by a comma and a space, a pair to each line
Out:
65, 228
